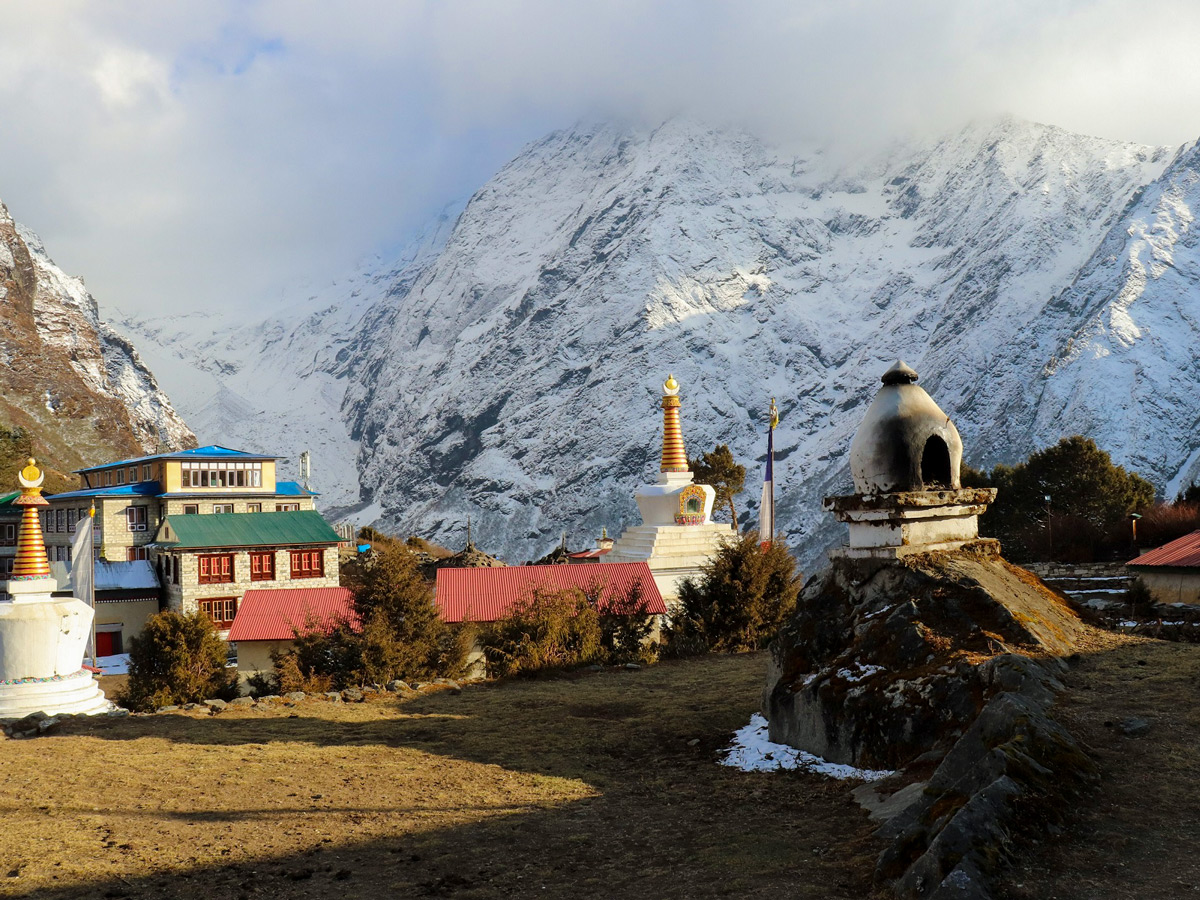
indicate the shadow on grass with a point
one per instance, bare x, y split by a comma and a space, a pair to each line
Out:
643, 809
587, 849
577, 727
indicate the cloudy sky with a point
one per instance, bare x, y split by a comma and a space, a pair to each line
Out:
193, 155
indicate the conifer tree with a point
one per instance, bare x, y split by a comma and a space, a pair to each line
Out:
718, 469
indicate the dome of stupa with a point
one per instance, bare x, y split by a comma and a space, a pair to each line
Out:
905, 442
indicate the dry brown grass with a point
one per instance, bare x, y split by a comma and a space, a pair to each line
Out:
1136, 835
571, 787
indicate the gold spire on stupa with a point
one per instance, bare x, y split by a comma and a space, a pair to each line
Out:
31, 562
674, 459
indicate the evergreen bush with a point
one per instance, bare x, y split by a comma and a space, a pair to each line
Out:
546, 630
177, 659
398, 633
745, 592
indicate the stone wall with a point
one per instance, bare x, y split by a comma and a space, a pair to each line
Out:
184, 597
1169, 586
1056, 570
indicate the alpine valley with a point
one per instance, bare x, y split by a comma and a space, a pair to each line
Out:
508, 365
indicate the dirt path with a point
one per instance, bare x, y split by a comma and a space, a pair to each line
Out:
1137, 836
583, 787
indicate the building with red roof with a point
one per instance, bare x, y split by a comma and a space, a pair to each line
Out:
485, 595
267, 621
1171, 572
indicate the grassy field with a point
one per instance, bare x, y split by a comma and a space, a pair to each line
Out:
1136, 836
597, 785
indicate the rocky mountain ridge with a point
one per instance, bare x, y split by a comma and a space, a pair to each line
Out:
1042, 282
72, 383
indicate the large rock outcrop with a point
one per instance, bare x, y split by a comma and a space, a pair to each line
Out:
883, 658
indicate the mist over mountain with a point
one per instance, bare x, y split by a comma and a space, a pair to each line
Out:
508, 365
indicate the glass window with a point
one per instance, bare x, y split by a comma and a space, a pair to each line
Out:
191, 509
220, 609
308, 563
215, 568
262, 565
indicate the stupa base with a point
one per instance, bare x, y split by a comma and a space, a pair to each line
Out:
75, 694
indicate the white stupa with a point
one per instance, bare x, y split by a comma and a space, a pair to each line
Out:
906, 459
42, 638
677, 535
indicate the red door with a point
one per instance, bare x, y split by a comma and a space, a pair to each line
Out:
104, 643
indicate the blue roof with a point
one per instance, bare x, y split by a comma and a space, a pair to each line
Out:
212, 451
293, 489
141, 489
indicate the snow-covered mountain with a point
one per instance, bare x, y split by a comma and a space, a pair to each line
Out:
73, 383
509, 368
277, 385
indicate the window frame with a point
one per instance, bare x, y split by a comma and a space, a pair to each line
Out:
191, 509
307, 563
228, 606
223, 509
211, 568
137, 518
259, 572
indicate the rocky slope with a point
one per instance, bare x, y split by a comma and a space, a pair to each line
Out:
74, 384
510, 370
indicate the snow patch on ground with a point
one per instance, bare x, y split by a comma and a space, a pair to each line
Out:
113, 665
752, 751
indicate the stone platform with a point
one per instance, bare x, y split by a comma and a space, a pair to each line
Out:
77, 693
673, 552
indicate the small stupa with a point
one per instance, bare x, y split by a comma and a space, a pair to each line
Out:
677, 535
905, 459
881, 659
42, 638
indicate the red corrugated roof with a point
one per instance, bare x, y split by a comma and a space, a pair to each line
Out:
1184, 551
590, 554
271, 615
487, 594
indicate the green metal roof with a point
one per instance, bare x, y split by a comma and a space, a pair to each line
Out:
246, 530
6, 500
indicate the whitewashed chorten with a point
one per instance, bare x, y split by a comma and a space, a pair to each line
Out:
905, 459
42, 638
677, 535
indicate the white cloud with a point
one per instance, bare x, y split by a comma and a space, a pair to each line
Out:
205, 153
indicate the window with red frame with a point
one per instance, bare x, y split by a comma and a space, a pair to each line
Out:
215, 569
220, 609
308, 563
262, 565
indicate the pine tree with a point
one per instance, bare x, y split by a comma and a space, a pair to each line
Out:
718, 469
743, 595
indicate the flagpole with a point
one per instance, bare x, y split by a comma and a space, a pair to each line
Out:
766, 515
92, 598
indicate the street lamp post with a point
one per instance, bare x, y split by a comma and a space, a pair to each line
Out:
1049, 533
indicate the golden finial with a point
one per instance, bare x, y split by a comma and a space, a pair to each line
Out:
670, 386
774, 413
31, 476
